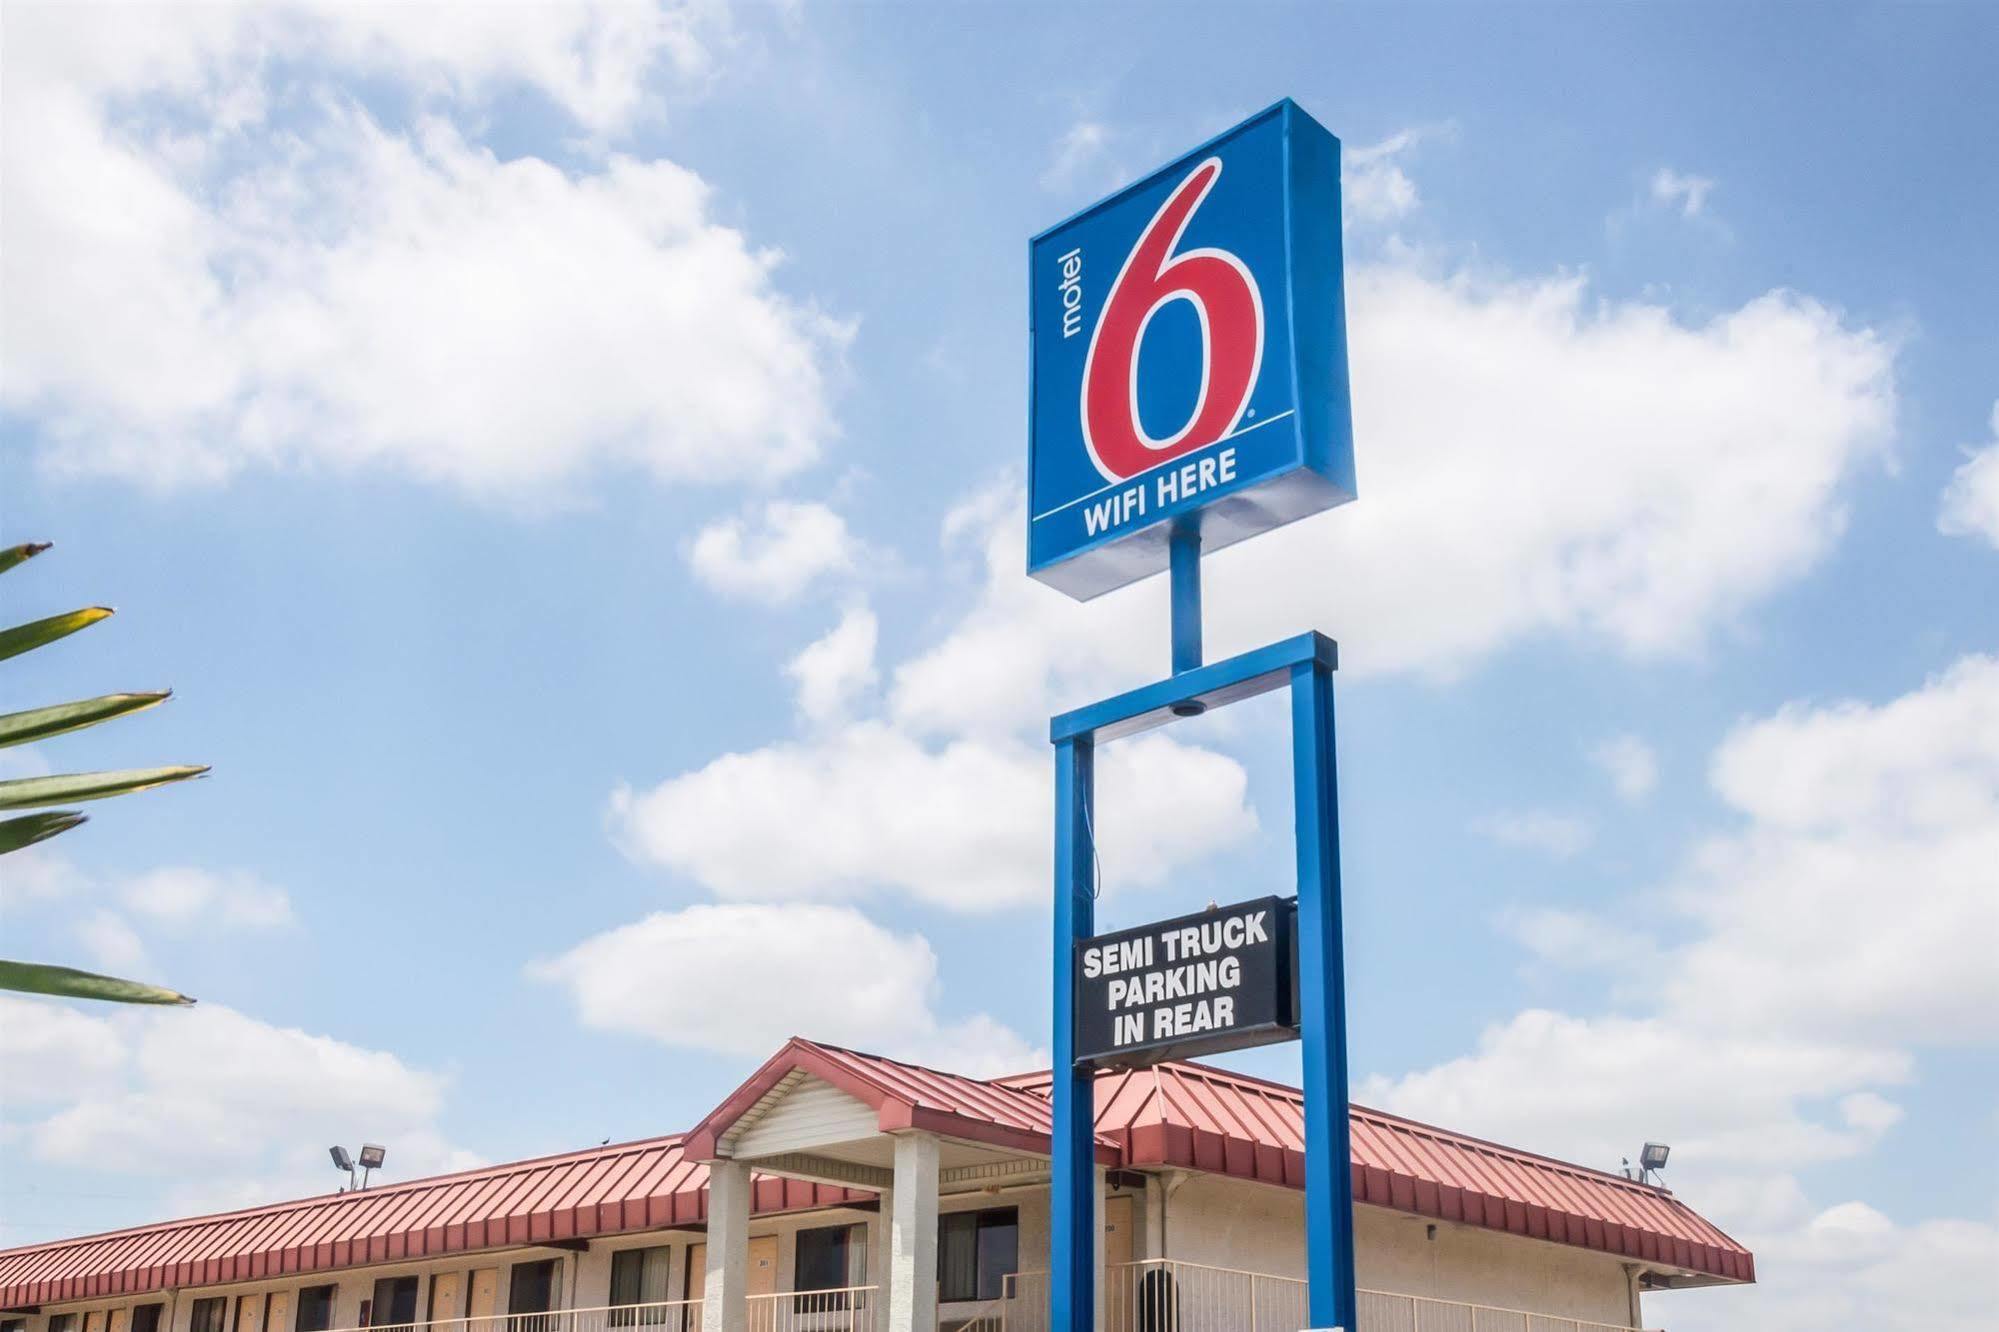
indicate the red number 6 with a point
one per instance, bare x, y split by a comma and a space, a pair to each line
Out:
1225, 298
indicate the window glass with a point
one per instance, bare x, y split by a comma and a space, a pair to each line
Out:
975, 1252
394, 1304
146, 1317
210, 1315
820, 1262
62, 1322
13, 1325
638, 1276
315, 1309
532, 1289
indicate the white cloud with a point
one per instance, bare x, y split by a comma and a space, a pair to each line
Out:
961, 824
1558, 835
845, 980
1789, 972
184, 895
218, 1107
1681, 191
1631, 765
1971, 502
1373, 185
774, 551
110, 942
1082, 155
831, 671
319, 290
1532, 463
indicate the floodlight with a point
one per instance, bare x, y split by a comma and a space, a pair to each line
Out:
373, 1154
1654, 1155
341, 1160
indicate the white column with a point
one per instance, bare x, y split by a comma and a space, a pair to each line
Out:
912, 1265
879, 1255
1097, 1243
726, 1281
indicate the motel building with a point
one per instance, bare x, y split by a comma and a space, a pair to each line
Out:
842, 1192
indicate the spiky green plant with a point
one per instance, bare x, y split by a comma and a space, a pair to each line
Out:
39, 793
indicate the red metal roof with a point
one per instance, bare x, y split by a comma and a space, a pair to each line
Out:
1203, 1118
645, 1185
1184, 1115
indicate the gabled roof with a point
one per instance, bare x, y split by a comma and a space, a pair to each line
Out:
903, 1096
1181, 1115
1202, 1118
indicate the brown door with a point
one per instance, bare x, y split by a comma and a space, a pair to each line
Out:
1117, 1231
447, 1302
94, 1321
697, 1270
277, 1313
121, 1319
484, 1300
249, 1313
762, 1275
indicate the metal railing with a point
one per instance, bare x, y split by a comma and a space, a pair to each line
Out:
849, 1309
1386, 1311
660, 1316
1161, 1295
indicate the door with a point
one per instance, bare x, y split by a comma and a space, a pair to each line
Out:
762, 1277
697, 1270
249, 1313
446, 1299
121, 1320
762, 1267
483, 1301
277, 1313
1117, 1232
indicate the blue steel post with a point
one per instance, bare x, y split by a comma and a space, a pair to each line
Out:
1183, 549
1073, 1201
1322, 1003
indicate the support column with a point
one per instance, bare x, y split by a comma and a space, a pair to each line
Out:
881, 1254
912, 1271
1072, 1206
1329, 1263
726, 1281
1097, 1246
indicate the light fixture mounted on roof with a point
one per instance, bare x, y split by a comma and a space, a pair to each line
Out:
1651, 1160
372, 1156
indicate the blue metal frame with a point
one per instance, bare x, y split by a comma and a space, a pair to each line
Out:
1305, 664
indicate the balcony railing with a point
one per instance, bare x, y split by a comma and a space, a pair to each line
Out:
851, 1309
663, 1316
1166, 1296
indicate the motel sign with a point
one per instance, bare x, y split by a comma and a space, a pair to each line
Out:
1188, 343
1188, 391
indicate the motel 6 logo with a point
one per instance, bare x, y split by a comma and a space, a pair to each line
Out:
1156, 272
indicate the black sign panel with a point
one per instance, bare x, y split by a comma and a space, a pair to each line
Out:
1218, 980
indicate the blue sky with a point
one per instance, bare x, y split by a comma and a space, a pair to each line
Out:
568, 463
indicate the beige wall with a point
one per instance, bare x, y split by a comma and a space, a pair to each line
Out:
1209, 1219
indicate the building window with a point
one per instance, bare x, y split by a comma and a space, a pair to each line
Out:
394, 1303
975, 1252
210, 1315
315, 1309
638, 1277
62, 1322
13, 1325
146, 1317
532, 1288
828, 1258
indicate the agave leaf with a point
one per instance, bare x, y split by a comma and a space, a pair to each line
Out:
31, 828
27, 637
69, 983
20, 728
30, 792
14, 555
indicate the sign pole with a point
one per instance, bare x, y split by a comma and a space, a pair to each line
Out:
1184, 556
1329, 1262
1072, 1210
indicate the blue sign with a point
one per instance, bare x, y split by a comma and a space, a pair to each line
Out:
1189, 361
